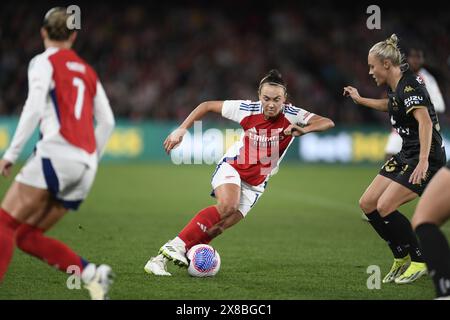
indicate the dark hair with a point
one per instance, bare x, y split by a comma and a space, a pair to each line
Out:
273, 78
55, 23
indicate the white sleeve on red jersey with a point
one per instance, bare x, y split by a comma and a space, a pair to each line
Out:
39, 79
297, 115
433, 90
104, 118
237, 110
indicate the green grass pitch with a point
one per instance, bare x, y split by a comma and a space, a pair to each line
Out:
304, 239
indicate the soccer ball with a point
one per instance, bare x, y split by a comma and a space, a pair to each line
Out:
204, 261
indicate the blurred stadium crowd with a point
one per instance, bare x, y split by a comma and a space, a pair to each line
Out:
159, 62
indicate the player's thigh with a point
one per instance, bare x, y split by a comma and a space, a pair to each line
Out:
228, 197
24, 201
369, 199
434, 205
393, 197
49, 217
75, 182
226, 183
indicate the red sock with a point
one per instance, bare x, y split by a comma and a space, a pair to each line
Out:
33, 241
8, 226
195, 231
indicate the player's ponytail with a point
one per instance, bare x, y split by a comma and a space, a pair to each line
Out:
273, 78
388, 49
55, 23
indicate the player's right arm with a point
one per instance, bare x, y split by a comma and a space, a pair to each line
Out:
377, 104
175, 138
39, 78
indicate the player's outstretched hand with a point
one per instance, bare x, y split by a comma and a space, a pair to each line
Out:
352, 93
5, 167
174, 139
294, 130
419, 173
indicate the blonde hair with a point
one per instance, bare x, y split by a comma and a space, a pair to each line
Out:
55, 22
388, 49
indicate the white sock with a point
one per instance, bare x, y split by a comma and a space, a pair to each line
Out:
88, 273
179, 243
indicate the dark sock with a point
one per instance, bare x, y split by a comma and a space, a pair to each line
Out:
437, 255
377, 222
402, 231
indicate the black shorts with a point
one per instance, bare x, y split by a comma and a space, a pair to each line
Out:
448, 165
399, 169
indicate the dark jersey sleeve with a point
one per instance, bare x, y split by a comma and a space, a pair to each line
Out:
413, 94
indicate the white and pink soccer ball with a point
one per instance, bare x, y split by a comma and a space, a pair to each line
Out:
204, 261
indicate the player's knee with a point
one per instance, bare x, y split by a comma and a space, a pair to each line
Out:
227, 208
384, 208
367, 205
419, 219
416, 221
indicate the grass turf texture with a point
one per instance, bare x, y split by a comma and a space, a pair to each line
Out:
304, 239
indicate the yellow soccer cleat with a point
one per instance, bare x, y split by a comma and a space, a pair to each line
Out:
398, 267
414, 272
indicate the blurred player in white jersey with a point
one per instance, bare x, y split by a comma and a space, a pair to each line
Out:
416, 61
64, 98
240, 178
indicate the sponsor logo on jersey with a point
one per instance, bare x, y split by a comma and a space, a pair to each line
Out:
408, 89
263, 136
412, 100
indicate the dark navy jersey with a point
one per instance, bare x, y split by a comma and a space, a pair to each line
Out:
409, 95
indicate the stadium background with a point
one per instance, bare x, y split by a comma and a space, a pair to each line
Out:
157, 62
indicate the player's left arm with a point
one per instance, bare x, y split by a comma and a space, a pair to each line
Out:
420, 113
315, 124
104, 116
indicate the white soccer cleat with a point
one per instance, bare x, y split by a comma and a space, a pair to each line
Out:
157, 266
97, 280
175, 253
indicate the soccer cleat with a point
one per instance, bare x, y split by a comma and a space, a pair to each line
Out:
398, 267
157, 266
414, 272
174, 253
97, 280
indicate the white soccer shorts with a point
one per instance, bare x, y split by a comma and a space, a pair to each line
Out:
250, 195
68, 181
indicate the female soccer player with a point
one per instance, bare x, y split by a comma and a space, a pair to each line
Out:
416, 61
406, 174
432, 211
240, 178
64, 97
